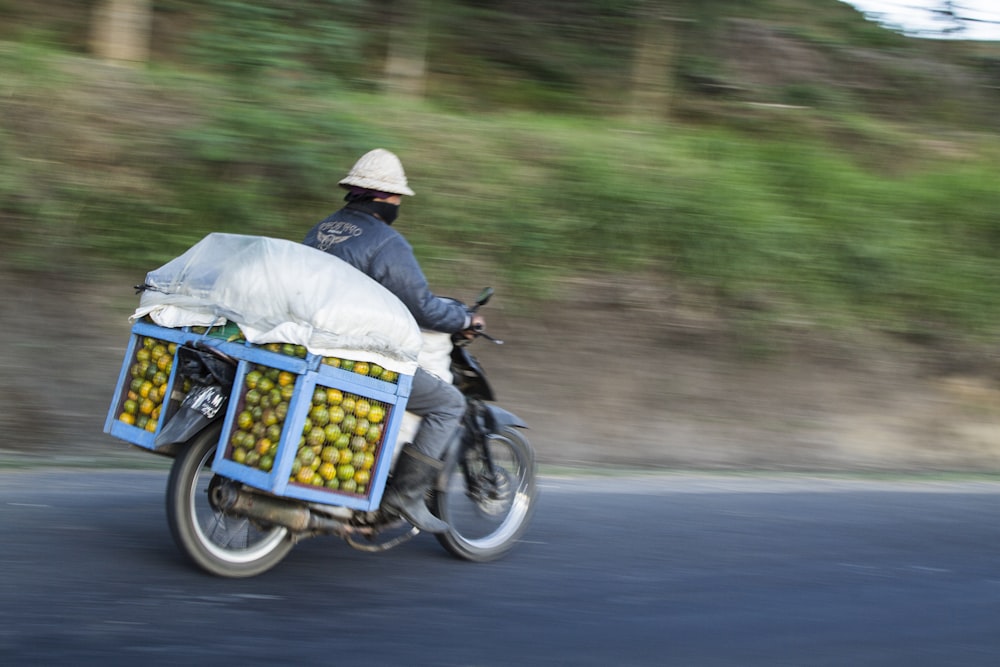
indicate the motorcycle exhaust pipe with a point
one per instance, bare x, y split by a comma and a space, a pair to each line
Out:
292, 515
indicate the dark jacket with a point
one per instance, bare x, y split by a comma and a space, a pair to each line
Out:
368, 244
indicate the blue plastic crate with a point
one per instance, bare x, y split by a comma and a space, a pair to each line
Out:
281, 474
168, 397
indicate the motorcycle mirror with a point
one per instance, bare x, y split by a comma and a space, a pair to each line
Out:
484, 296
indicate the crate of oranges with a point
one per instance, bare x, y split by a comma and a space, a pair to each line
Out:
149, 389
324, 432
298, 424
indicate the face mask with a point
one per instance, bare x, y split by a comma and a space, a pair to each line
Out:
383, 209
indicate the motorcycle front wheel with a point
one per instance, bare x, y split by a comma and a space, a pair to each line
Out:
488, 510
222, 545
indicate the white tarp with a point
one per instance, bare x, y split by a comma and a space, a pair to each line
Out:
286, 292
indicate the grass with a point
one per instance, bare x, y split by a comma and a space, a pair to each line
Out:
839, 220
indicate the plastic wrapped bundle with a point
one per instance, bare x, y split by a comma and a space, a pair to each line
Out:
280, 291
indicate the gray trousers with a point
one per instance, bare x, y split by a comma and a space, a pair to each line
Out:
441, 405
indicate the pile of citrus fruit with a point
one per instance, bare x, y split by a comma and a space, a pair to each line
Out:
340, 441
363, 368
359, 367
340, 438
260, 417
146, 385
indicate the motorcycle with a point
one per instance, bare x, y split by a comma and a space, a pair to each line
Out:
486, 491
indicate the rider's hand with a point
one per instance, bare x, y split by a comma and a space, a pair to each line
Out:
476, 323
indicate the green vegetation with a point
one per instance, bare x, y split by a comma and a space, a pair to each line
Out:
871, 204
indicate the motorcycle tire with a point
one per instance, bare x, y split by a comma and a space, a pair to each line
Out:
488, 515
222, 545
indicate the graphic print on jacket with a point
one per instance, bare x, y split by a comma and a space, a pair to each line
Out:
328, 234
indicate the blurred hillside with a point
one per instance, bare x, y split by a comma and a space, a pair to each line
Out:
755, 221
776, 159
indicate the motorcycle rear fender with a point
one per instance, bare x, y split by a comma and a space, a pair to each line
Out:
200, 407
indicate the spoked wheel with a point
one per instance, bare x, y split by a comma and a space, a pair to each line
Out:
488, 511
223, 545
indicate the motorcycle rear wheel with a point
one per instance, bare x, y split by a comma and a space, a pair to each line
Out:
222, 545
487, 516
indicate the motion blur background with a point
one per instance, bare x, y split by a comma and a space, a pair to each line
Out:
727, 235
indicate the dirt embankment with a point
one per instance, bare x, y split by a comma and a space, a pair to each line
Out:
609, 376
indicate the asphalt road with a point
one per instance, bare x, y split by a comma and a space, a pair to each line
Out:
667, 570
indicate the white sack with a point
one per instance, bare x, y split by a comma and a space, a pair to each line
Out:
279, 291
435, 358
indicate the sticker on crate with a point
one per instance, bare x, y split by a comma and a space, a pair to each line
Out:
147, 383
263, 406
341, 441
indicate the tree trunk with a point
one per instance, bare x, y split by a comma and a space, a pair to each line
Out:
120, 30
652, 64
406, 60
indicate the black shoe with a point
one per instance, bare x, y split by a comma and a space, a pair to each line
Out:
413, 476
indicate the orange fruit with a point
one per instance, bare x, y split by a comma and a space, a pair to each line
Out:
252, 378
348, 423
320, 415
376, 414
327, 471
316, 436
336, 414
331, 432
244, 420
319, 396
165, 363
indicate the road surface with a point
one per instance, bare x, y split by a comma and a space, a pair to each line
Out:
645, 570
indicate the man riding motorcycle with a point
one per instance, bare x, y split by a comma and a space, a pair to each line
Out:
361, 234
